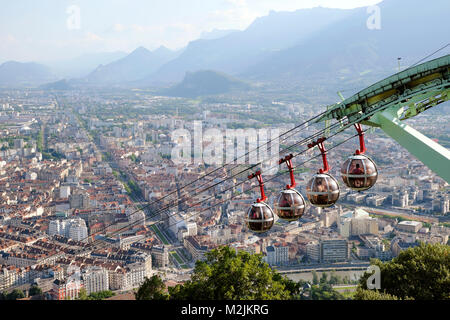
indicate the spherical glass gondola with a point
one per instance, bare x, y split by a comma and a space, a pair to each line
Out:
322, 190
359, 172
289, 205
259, 217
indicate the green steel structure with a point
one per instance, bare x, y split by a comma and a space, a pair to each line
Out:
402, 96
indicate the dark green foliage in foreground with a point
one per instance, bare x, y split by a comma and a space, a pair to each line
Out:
152, 289
362, 294
421, 273
324, 291
227, 275
13, 295
101, 295
34, 291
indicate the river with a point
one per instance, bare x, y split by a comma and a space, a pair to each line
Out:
308, 276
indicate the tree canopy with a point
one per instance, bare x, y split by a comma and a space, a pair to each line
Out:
227, 275
100, 295
13, 295
324, 291
421, 273
34, 291
152, 289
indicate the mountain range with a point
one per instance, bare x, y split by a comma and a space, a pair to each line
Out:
132, 67
236, 51
81, 66
28, 73
409, 29
305, 47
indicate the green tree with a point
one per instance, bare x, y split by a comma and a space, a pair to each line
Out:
315, 277
15, 294
334, 278
133, 157
101, 295
420, 273
324, 291
294, 288
324, 278
227, 275
82, 294
152, 289
34, 290
362, 294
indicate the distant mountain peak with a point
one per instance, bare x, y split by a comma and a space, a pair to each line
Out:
162, 50
136, 65
140, 50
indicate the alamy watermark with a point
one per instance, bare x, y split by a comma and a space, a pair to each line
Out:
74, 279
73, 21
374, 20
231, 146
374, 281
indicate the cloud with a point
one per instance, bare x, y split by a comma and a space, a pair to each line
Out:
139, 28
127, 37
10, 38
92, 37
118, 27
238, 3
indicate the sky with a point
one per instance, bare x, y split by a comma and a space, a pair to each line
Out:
49, 30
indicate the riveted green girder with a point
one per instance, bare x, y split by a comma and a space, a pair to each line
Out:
409, 87
399, 97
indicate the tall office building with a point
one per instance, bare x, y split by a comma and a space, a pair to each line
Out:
328, 251
334, 250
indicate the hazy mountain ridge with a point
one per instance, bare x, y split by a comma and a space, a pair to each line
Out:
348, 48
216, 34
57, 85
82, 65
13, 73
238, 50
318, 46
206, 82
134, 66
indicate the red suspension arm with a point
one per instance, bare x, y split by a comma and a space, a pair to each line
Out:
319, 144
362, 145
288, 160
258, 176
